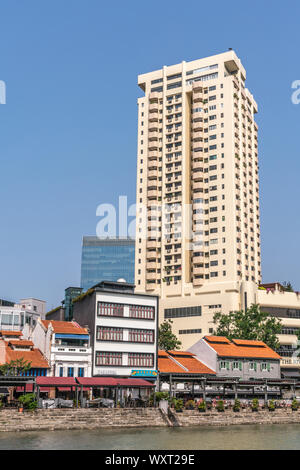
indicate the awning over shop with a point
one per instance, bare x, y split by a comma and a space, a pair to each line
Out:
55, 382
29, 389
290, 374
113, 382
135, 383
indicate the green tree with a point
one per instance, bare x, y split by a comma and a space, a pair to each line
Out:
287, 287
166, 339
15, 368
252, 324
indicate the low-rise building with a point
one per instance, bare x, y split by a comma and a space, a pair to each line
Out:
181, 373
284, 305
14, 348
238, 358
123, 326
65, 345
15, 316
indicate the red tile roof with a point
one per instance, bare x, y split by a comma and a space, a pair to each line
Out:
218, 339
194, 365
20, 342
248, 342
10, 333
65, 327
167, 365
180, 353
242, 348
34, 356
162, 353
183, 362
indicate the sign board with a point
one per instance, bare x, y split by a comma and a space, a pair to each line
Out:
150, 374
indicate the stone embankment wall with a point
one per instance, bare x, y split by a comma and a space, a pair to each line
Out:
228, 418
59, 419
64, 419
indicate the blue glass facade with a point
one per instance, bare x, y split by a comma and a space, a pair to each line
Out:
106, 260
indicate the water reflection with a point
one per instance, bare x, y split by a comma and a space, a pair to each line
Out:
202, 438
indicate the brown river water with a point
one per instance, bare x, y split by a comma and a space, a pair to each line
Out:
261, 437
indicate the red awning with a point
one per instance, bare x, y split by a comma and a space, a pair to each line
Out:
55, 381
97, 381
135, 383
29, 389
113, 382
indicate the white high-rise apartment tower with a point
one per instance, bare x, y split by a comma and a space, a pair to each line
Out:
198, 226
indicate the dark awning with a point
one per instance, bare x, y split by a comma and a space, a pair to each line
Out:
291, 374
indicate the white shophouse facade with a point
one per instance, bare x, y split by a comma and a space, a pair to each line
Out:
123, 328
65, 345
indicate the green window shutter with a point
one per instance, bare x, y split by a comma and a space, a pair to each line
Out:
227, 365
240, 365
255, 366
268, 367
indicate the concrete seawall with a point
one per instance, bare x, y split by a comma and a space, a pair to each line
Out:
64, 419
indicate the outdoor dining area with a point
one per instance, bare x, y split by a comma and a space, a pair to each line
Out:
77, 391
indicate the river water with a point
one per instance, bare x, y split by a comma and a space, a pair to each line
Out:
203, 438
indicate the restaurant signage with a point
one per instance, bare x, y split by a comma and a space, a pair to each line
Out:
144, 373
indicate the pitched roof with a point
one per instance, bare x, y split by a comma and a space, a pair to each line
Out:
241, 348
20, 342
34, 356
181, 362
167, 365
194, 365
65, 327
248, 342
181, 353
218, 339
10, 333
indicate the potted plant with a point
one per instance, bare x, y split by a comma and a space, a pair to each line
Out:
294, 405
220, 406
236, 406
190, 405
202, 406
27, 402
161, 396
179, 405
271, 405
255, 404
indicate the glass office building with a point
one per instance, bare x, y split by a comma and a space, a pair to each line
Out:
106, 259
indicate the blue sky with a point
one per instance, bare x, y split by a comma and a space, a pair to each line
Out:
71, 69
